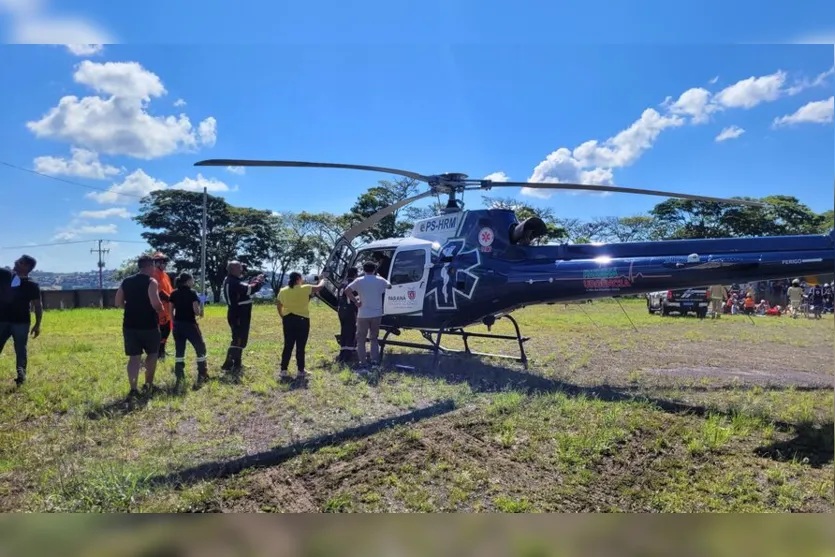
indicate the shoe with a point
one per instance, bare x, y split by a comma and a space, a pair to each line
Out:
301, 374
282, 374
21, 378
132, 395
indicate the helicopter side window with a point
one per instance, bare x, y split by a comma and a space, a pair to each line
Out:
408, 266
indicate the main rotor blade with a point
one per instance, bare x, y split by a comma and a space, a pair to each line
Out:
355, 230
301, 164
590, 187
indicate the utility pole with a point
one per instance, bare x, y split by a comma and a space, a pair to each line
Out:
203, 250
101, 263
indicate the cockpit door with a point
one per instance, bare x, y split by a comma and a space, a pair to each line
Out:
340, 259
408, 277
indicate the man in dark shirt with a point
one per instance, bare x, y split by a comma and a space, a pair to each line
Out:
347, 311
139, 296
239, 312
186, 306
18, 296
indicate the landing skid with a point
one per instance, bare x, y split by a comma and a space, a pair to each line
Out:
434, 336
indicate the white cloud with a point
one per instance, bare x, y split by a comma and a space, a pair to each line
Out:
179, 102
207, 131
748, 93
497, 177
694, 103
816, 112
115, 212
85, 49
135, 185
75, 229
197, 184
803, 84
31, 24
594, 162
731, 132
83, 164
138, 184
236, 169
119, 123
714, 80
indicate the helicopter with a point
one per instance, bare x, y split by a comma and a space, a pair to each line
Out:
465, 267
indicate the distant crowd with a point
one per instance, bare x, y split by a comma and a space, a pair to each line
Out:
774, 298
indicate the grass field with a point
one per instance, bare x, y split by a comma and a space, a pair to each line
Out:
678, 415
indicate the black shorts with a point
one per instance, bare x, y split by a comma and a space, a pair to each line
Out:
138, 341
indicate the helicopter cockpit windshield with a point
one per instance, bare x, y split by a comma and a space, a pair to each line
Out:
380, 256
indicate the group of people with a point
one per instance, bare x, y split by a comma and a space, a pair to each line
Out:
152, 308
818, 298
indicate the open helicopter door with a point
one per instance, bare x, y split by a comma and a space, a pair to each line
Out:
340, 259
408, 276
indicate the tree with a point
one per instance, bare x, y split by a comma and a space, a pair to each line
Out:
525, 211
174, 219
782, 215
625, 229
294, 245
828, 222
688, 218
129, 266
378, 197
413, 214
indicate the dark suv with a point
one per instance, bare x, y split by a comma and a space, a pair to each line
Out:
684, 301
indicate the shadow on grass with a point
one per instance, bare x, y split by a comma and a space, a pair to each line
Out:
480, 376
277, 455
122, 407
812, 444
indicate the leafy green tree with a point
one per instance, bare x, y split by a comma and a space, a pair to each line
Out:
129, 266
636, 228
687, 218
174, 221
378, 197
782, 215
525, 211
828, 222
294, 246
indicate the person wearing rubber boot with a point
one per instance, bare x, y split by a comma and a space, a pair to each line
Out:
238, 294
347, 312
186, 306
165, 291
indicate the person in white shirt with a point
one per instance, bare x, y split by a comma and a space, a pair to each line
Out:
371, 289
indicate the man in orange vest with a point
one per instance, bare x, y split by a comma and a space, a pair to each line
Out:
165, 290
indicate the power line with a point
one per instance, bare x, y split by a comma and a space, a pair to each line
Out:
107, 190
71, 242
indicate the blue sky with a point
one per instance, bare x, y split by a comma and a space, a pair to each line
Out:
479, 109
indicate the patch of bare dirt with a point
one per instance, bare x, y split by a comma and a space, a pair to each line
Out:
762, 377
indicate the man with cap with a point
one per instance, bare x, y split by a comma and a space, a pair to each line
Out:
238, 295
165, 291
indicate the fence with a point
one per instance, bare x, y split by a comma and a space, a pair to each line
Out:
72, 299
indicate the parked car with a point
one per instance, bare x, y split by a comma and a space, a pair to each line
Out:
683, 301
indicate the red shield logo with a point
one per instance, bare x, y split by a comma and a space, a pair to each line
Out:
412, 294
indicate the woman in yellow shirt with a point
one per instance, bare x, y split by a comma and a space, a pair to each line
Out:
293, 304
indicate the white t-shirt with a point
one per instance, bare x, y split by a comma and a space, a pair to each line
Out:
371, 289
